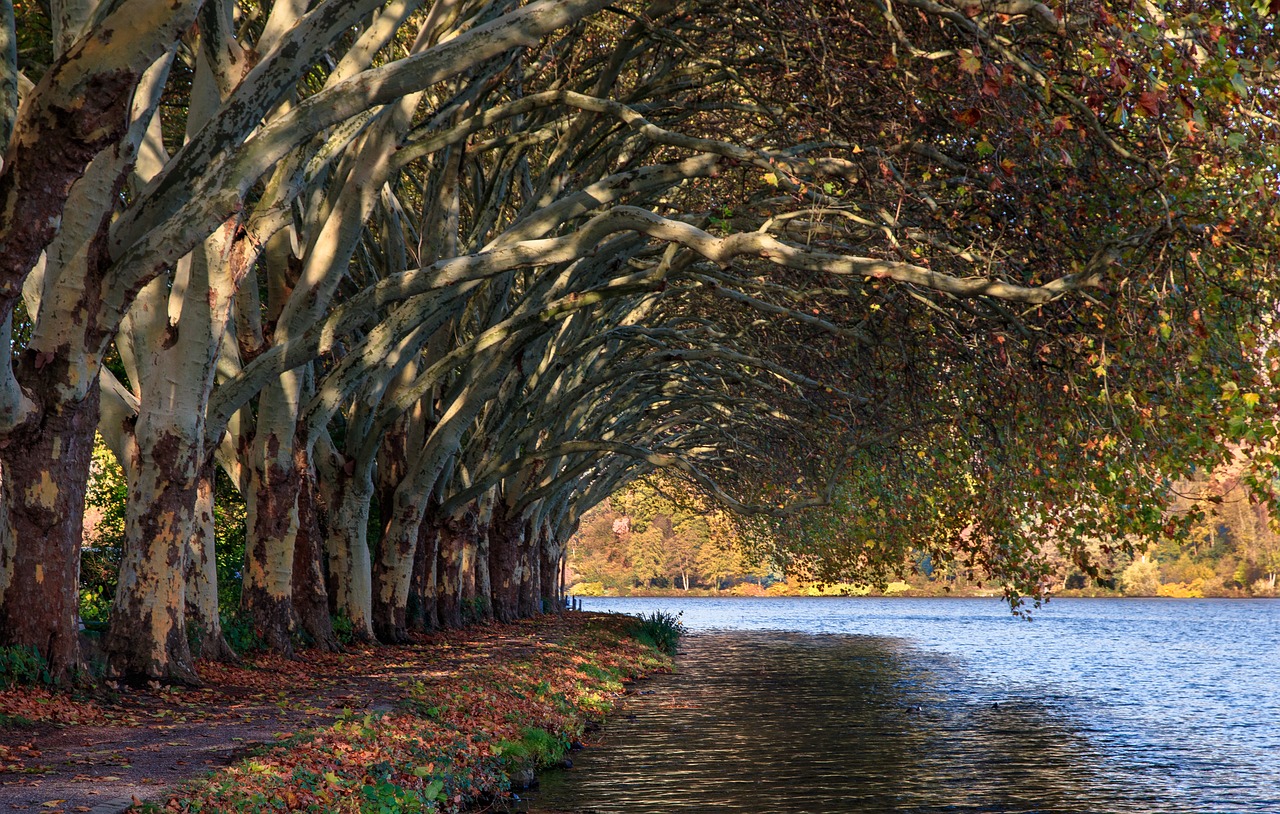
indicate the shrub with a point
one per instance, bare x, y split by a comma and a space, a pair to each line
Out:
587, 589
661, 630
1141, 578
22, 665
1182, 590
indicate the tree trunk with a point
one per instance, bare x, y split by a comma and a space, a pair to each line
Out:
530, 575
204, 619
549, 571
482, 609
272, 525
44, 477
456, 535
423, 612
348, 550
310, 599
148, 634
469, 577
506, 537
393, 573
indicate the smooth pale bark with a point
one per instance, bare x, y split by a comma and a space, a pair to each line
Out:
349, 497
204, 621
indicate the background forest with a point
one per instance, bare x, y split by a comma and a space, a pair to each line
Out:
642, 541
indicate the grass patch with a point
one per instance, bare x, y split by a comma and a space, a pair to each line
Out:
660, 630
462, 733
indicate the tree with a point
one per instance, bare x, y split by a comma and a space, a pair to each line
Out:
470, 268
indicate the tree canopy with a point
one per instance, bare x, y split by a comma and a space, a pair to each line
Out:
428, 280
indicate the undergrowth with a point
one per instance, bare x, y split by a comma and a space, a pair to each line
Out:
661, 630
459, 737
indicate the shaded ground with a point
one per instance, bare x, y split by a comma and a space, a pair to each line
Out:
99, 754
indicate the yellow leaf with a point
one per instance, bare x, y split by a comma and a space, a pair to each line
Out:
771, 179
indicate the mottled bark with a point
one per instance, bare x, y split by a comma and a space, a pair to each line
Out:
147, 639
43, 483
272, 524
457, 534
310, 597
482, 608
393, 573
422, 611
347, 548
204, 622
506, 541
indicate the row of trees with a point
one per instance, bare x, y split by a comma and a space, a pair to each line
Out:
652, 533
427, 280
643, 538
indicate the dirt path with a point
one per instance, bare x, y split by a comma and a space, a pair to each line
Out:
99, 755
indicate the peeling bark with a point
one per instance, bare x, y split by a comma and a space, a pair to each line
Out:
43, 485
392, 575
457, 534
506, 539
147, 639
267, 596
422, 611
348, 550
204, 622
310, 598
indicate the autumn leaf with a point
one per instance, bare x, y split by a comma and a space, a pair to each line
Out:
970, 61
1149, 103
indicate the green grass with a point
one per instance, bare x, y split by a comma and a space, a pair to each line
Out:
659, 629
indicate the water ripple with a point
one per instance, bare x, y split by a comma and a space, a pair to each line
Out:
1116, 707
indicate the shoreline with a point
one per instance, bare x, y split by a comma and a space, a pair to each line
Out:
450, 721
905, 595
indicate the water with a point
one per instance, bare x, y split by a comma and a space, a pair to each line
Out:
949, 705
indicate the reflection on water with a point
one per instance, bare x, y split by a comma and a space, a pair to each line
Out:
948, 720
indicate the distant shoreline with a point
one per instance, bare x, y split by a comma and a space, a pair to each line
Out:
990, 595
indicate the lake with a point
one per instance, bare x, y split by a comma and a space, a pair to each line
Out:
944, 705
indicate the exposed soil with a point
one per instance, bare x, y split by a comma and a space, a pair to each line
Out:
100, 753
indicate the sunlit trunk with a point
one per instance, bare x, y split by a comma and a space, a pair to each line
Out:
272, 526
392, 574
204, 622
347, 548
147, 638
44, 477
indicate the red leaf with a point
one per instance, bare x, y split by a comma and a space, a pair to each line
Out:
1149, 103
